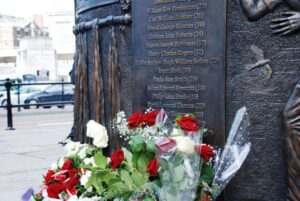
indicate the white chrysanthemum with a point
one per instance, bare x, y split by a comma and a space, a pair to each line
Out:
184, 144
82, 153
91, 161
85, 178
61, 162
98, 132
72, 148
73, 198
90, 199
54, 166
90, 189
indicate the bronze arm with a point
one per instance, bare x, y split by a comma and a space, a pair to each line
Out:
255, 9
294, 4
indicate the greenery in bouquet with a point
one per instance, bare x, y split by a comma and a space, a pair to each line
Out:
157, 160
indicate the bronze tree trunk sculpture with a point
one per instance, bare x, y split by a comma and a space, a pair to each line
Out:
292, 123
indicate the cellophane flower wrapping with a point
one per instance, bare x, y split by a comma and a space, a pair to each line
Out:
180, 164
235, 151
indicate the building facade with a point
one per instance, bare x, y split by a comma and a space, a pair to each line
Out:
60, 23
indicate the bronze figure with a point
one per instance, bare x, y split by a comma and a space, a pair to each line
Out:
288, 23
292, 123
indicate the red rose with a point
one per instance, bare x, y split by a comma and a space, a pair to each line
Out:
61, 177
135, 120
68, 165
205, 151
49, 177
152, 167
188, 124
70, 183
117, 158
54, 190
149, 118
165, 145
73, 172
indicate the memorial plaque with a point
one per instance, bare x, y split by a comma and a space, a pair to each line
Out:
84, 5
178, 52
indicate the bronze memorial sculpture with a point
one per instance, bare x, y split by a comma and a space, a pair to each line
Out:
202, 57
289, 23
292, 117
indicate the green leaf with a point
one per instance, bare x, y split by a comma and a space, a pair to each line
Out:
108, 177
137, 143
120, 187
128, 159
98, 185
90, 182
151, 147
148, 199
135, 158
183, 184
166, 176
178, 173
100, 160
113, 181
89, 167
206, 173
125, 177
143, 161
170, 196
178, 160
178, 117
139, 179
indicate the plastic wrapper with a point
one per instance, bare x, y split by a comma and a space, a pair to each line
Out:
180, 164
235, 151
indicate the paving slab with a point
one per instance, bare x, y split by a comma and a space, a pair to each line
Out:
28, 152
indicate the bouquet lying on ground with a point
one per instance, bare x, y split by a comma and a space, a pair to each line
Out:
160, 163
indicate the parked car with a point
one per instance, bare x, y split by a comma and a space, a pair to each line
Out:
25, 92
52, 94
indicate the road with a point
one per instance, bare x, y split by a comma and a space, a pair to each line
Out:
27, 152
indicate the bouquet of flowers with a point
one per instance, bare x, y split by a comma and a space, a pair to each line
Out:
161, 162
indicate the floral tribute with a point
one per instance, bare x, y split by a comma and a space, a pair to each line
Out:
160, 163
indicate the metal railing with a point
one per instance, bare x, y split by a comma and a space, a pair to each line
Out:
9, 106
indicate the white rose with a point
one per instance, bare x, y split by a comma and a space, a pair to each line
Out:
185, 144
177, 132
98, 132
100, 141
85, 178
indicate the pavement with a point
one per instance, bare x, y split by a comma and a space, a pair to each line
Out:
28, 152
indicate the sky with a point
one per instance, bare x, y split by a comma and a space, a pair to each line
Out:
26, 8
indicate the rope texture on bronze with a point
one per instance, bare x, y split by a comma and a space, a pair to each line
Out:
113, 69
114, 85
81, 107
97, 79
292, 123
